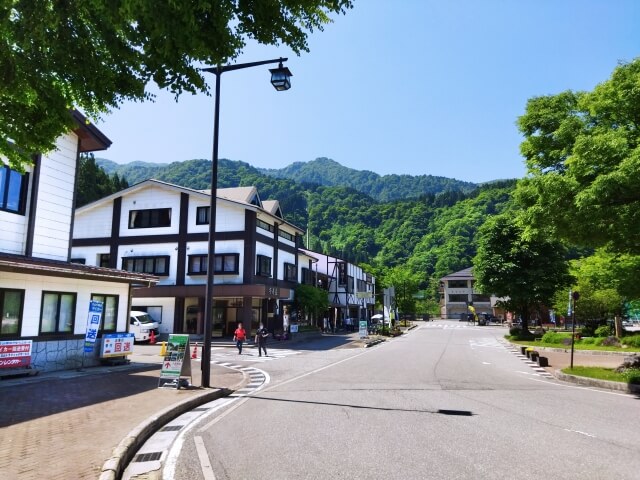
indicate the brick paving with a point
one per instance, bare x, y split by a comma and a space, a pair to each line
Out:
65, 425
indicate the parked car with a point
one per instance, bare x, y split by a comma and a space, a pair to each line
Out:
141, 324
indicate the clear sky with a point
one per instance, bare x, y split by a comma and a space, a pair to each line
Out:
395, 86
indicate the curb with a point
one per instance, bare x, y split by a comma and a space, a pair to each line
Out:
124, 452
594, 382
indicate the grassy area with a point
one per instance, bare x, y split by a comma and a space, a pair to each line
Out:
599, 373
577, 346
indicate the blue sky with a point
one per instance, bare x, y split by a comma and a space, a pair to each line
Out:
406, 87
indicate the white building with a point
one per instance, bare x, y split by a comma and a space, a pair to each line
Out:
44, 298
457, 293
351, 291
162, 229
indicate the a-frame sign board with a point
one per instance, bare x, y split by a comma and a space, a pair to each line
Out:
176, 363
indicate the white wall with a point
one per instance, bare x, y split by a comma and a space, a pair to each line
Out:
201, 248
34, 286
90, 254
94, 222
55, 200
168, 310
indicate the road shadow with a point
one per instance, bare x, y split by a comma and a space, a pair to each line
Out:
462, 413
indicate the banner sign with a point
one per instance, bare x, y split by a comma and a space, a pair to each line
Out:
15, 353
117, 344
93, 325
177, 361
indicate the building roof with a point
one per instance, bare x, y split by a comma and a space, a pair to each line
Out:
465, 274
57, 268
246, 196
91, 139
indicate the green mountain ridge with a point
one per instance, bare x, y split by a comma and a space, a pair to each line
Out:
424, 224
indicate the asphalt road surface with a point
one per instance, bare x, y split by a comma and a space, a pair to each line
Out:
445, 401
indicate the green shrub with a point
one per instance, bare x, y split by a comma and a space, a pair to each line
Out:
588, 341
631, 341
555, 337
632, 375
515, 331
604, 331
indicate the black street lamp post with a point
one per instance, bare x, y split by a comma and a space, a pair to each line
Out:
280, 79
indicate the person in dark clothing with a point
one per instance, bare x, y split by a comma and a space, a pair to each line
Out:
261, 340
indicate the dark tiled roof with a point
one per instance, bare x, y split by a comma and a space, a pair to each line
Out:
56, 268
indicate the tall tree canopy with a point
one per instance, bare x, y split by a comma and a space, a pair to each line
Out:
95, 54
527, 271
582, 151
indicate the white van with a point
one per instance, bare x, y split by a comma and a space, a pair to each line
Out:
141, 325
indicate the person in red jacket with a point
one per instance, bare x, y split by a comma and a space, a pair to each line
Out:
239, 336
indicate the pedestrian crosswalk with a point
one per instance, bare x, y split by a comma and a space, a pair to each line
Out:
449, 326
226, 355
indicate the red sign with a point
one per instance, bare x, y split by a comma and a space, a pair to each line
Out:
15, 353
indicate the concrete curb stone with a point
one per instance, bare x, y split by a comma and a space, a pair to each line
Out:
594, 382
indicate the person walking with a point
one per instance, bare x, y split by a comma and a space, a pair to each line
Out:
261, 340
239, 336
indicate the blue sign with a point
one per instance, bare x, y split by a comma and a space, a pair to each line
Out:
93, 325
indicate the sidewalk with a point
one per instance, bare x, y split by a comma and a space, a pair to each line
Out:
65, 425
560, 359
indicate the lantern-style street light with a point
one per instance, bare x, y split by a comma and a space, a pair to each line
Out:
280, 79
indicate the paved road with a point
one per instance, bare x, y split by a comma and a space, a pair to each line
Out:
445, 401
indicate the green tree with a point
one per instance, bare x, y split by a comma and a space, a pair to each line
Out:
406, 284
94, 183
526, 271
96, 54
582, 152
311, 301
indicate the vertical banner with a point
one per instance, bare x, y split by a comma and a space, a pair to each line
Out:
93, 325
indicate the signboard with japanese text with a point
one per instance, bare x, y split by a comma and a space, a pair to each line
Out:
93, 325
363, 329
117, 344
15, 353
177, 361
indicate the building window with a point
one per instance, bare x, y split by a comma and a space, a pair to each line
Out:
263, 266
104, 260
307, 279
153, 265
109, 311
290, 272
58, 312
224, 263
264, 225
481, 298
286, 236
202, 216
150, 218
13, 190
80, 261
457, 284
458, 297
349, 283
227, 263
11, 302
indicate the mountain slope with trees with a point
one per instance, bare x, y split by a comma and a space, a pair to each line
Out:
324, 171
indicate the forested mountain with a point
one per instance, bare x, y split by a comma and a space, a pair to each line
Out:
324, 171
431, 233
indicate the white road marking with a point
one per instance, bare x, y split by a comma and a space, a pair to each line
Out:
581, 433
203, 456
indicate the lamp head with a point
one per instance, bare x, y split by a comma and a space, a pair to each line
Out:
281, 78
